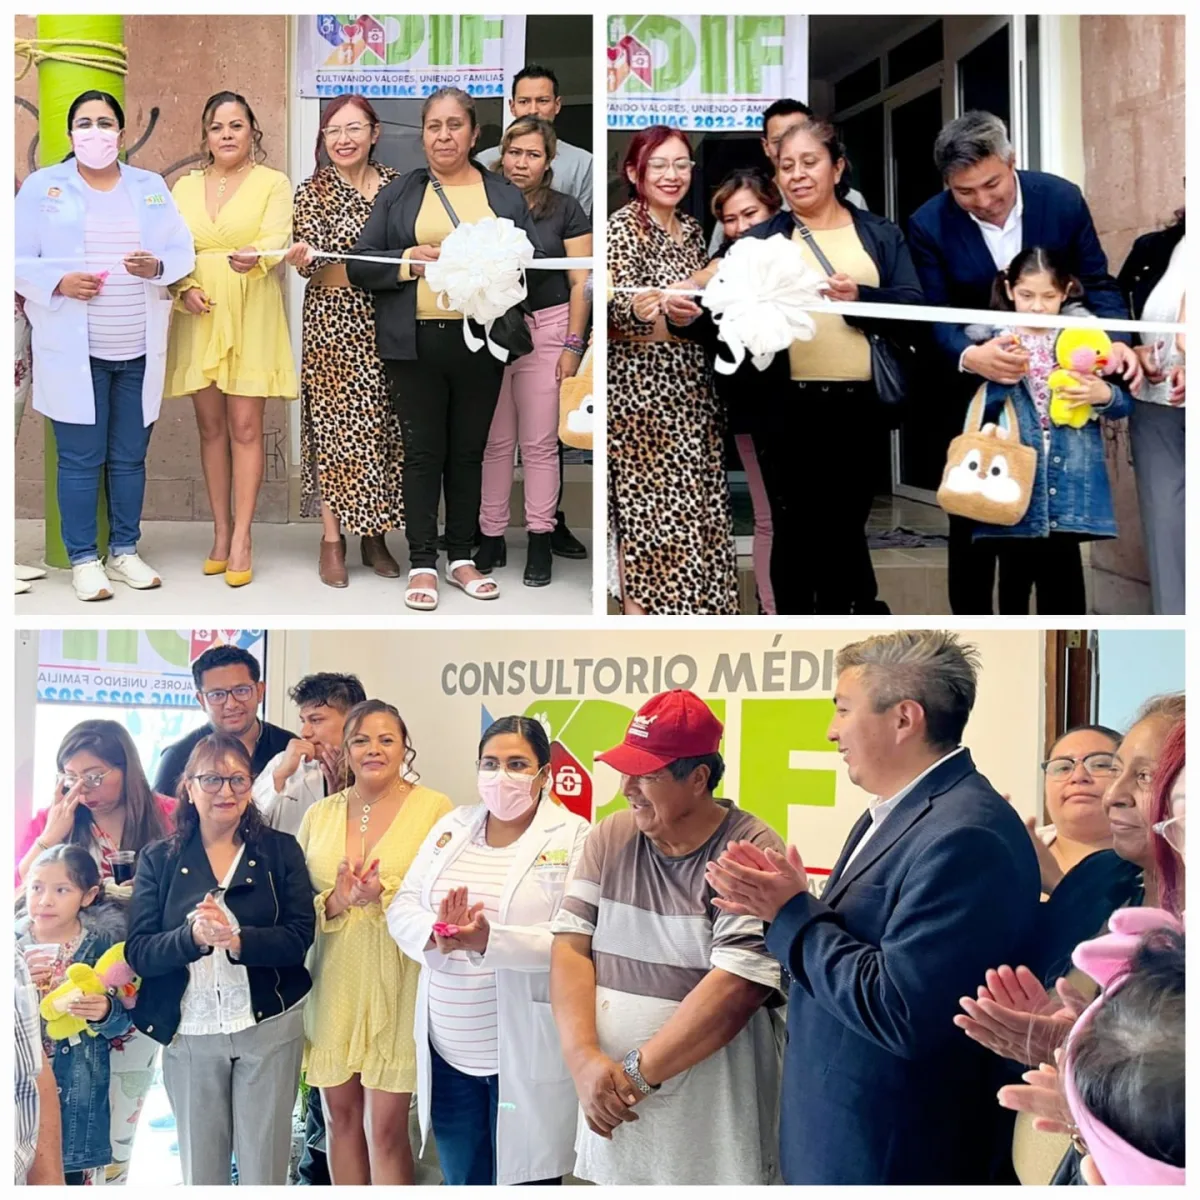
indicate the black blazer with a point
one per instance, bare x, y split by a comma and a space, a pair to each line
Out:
391, 229
956, 268
1145, 264
272, 899
749, 393
879, 1086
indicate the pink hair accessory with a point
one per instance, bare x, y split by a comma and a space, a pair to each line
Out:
1106, 959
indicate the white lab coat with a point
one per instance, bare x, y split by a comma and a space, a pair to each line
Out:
50, 213
538, 1108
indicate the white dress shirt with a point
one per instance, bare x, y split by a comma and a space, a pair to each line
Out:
301, 790
880, 808
1004, 241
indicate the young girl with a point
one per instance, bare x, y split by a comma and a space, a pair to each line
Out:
1071, 501
63, 882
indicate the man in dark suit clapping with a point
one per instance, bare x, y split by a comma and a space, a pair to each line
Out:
937, 881
988, 213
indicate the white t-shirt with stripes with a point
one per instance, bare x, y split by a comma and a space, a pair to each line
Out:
117, 314
462, 997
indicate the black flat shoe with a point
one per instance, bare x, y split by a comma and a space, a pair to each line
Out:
492, 552
563, 542
538, 560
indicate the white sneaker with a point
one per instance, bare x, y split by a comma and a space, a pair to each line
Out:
25, 574
90, 581
130, 569
23, 586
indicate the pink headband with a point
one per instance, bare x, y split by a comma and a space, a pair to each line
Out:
1106, 959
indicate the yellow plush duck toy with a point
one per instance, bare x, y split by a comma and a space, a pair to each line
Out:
1078, 350
111, 971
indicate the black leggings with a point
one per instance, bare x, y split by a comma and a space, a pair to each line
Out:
1053, 566
445, 398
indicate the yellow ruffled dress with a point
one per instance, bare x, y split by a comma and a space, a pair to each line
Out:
359, 1018
242, 345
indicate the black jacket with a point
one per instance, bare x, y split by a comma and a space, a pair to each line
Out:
750, 393
1145, 264
391, 229
272, 900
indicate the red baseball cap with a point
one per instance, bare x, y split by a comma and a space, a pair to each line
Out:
668, 726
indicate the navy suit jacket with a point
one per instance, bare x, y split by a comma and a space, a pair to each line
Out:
955, 267
879, 1086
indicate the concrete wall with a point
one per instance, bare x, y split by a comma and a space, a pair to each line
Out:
176, 63
1132, 75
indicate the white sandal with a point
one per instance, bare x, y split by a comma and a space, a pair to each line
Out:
412, 592
472, 588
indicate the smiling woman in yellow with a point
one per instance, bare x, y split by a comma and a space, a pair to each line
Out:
229, 347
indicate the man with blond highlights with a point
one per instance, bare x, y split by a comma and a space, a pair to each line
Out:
936, 883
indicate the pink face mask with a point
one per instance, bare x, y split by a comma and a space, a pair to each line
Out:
95, 148
507, 796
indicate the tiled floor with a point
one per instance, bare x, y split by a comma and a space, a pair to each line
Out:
286, 582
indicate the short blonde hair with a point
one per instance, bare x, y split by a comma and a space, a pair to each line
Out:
929, 666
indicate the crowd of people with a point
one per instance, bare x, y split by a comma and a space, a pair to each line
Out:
996, 237
137, 293
660, 998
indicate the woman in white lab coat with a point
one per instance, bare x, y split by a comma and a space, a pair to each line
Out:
97, 242
491, 1080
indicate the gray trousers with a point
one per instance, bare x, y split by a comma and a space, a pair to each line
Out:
1156, 432
233, 1095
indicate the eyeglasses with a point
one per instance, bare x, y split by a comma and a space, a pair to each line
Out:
91, 779
488, 766
1172, 832
332, 132
660, 166
99, 123
218, 696
211, 784
1099, 764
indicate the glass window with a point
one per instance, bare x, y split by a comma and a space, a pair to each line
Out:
914, 54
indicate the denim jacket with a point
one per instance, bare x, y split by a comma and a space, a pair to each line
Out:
1071, 492
81, 1071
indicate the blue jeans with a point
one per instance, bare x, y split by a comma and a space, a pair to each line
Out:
115, 443
463, 1113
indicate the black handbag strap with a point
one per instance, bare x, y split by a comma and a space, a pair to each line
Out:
818, 253
441, 195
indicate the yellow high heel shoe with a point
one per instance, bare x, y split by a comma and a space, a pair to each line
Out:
239, 578
215, 566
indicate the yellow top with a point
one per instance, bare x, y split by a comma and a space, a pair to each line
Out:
359, 1018
837, 351
433, 227
242, 345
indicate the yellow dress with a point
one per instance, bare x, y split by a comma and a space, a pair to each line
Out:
242, 345
359, 1017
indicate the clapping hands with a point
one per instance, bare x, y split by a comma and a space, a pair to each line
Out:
473, 928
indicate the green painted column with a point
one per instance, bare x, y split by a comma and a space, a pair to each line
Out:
58, 84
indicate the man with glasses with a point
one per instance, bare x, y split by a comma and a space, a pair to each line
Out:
229, 688
658, 996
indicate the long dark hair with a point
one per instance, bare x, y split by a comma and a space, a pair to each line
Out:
210, 108
354, 719
1030, 261
81, 869
542, 198
110, 742
209, 752
533, 731
83, 98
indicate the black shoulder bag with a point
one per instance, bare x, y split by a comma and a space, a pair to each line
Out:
893, 360
509, 331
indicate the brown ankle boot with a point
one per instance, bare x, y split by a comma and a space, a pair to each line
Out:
332, 565
376, 555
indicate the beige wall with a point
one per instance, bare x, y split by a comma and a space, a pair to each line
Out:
407, 669
1132, 73
175, 64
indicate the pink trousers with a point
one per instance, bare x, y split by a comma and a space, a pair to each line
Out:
527, 412
763, 529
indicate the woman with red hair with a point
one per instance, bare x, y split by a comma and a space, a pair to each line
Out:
350, 441
671, 533
1167, 815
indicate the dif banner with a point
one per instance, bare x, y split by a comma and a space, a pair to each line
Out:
408, 56
131, 668
703, 73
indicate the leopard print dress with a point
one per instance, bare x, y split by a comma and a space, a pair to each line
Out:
350, 440
669, 515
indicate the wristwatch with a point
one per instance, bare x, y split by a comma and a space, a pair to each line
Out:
632, 1066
